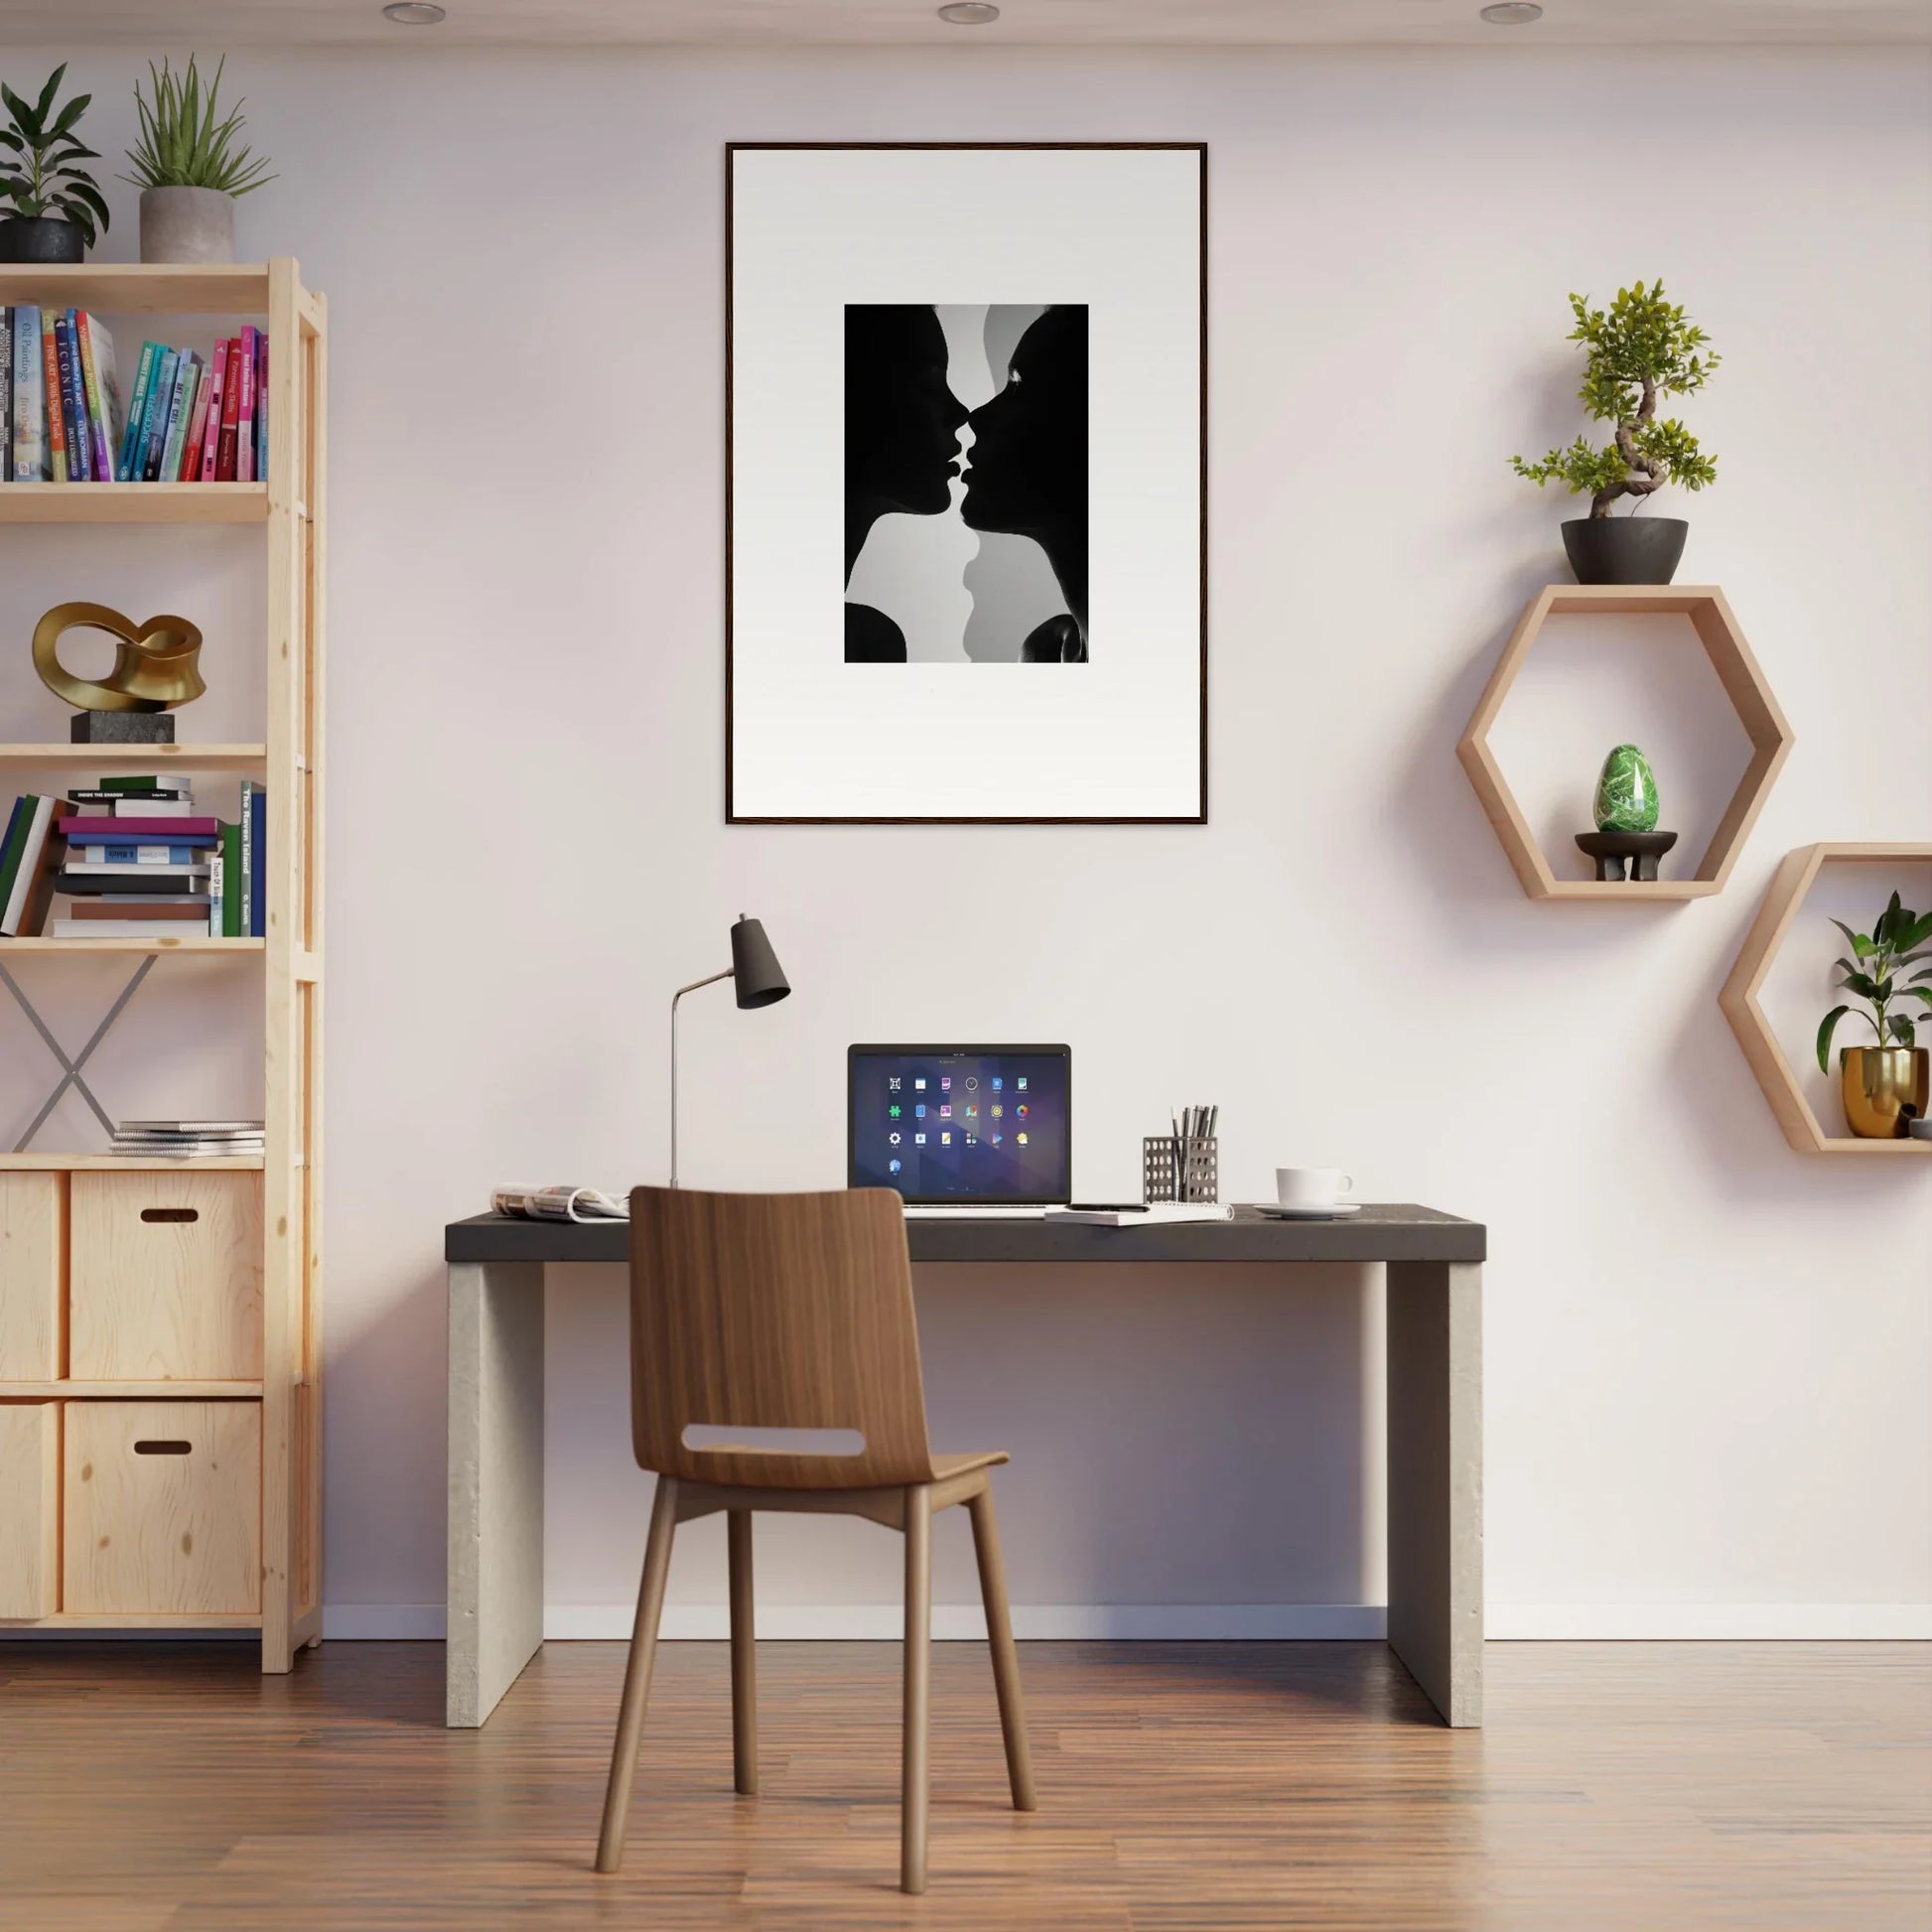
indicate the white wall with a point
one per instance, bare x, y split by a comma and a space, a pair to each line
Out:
1707, 1357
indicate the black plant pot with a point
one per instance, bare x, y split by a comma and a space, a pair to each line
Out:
41, 238
1624, 549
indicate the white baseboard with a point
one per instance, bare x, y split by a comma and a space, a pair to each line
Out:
1200, 1622
1708, 1622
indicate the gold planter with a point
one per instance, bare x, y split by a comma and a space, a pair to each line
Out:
1880, 1084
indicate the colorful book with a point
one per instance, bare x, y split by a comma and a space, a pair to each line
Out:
261, 405
255, 858
73, 403
137, 409
143, 905
244, 461
6, 394
232, 899
102, 383
179, 411
217, 885
216, 393
154, 431
17, 823
57, 415
190, 466
33, 884
140, 782
230, 407
88, 854
147, 794
30, 408
99, 831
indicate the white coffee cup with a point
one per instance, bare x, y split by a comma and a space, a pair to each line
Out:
1312, 1187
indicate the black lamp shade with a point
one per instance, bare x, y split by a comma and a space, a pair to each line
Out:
757, 977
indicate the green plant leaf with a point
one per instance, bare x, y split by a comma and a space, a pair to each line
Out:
1827, 1027
1860, 945
1861, 984
1903, 1030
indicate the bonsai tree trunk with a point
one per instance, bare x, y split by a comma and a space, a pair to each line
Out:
1642, 477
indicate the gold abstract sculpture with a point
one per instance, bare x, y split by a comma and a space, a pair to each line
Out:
154, 662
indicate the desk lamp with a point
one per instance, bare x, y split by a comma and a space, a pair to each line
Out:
759, 981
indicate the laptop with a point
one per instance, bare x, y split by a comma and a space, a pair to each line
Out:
962, 1130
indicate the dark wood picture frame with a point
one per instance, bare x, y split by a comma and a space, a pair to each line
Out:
734, 148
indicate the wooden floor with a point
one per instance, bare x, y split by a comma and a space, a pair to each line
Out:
1625, 1786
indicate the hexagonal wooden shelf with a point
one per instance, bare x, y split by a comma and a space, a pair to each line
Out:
1794, 879
1743, 683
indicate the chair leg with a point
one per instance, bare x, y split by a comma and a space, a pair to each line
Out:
745, 1666
1006, 1660
636, 1675
918, 1687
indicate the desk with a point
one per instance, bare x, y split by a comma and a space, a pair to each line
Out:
1435, 1403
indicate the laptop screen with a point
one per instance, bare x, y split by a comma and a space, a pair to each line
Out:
962, 1124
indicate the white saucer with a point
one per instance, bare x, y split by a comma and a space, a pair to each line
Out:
1275, 1213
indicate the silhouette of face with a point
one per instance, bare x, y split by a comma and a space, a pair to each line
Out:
1027, 469
901, 421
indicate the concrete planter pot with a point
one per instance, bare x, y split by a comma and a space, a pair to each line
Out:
187, 224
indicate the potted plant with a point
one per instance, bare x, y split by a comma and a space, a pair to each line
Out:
1637, 351
52, 205
1884, 1086
188, 168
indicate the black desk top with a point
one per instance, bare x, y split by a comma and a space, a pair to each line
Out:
1387, 1231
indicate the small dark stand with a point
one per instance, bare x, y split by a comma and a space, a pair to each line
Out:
122, 727
1611, 849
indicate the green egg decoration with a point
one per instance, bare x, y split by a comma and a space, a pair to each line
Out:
1626, 792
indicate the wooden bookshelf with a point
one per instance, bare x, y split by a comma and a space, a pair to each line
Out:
134, 502
1739, 996
106, 757
41, 1194
1716, 631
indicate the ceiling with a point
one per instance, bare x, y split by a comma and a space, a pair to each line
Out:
1078, 23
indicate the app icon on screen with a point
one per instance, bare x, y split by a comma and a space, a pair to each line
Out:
894, 1137
1020, 1137
1020, 1110
945, 1139
970, 1142
996, 1139
972, 1112
918, 1140
919, 1110
972, 1081
946, 1112
918, 1083
998, 1110
1020, 1083
997, 1083
892, 1110
945, 1083
893, 1166
891, 1083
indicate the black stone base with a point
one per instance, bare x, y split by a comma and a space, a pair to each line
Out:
122, 727
1611, 850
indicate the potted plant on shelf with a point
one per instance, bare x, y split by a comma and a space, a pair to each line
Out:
1639, 349
1885, 1085
54, 207
188, 168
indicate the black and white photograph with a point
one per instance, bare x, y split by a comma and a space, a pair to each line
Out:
965, 443
966, 483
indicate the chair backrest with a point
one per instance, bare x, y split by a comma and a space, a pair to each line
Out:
775, 1311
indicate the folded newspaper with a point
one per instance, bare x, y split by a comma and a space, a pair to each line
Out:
558, 1204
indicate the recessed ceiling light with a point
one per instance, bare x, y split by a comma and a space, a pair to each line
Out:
1512, 13
969, 13
413, 13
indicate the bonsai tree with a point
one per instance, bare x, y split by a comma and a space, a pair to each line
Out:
182, 144
1639, 349
37, 177
1898, 940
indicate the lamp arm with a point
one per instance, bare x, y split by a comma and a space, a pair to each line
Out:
712, 980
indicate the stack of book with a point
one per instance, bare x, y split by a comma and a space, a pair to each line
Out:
186, 1140
136, 861
188, 419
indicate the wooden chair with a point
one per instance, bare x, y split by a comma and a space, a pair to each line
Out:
793, 1311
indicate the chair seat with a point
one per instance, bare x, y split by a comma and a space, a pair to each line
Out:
946, 1466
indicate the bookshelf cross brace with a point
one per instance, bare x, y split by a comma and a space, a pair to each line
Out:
71, 1075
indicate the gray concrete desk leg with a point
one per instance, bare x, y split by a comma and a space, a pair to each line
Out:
495, 1590
1435, 1326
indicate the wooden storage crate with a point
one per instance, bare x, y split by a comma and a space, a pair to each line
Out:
161, 1507
29, 1509
166, 1276
33, 1259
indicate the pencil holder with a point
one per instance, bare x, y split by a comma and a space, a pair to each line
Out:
1180, 1170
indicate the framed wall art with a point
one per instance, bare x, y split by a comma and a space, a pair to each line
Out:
966, 483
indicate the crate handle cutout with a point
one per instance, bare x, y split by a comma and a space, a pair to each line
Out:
171, 1213
163, 1447
743, 1439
